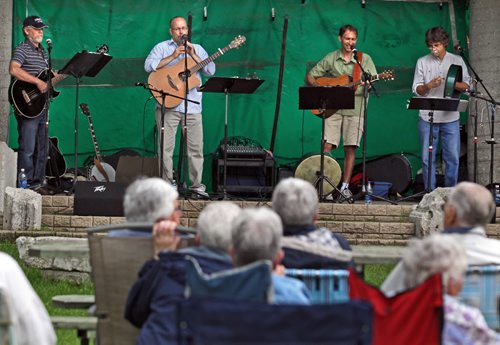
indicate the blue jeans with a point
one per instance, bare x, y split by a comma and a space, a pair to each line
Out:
32, 152
449, 134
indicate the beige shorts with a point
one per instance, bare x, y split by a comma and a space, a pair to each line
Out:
352, 129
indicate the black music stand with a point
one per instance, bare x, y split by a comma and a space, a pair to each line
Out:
324, 98
83, 64
229, 85
432, 104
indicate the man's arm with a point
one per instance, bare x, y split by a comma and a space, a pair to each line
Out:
310, 80
17, 72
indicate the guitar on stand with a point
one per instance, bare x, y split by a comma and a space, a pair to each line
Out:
100, 171
346, 81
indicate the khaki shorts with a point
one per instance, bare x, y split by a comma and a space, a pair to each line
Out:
352, 129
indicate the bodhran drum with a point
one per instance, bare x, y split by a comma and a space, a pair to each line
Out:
309, 170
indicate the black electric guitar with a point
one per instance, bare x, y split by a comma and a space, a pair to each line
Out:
27, 99
100, 171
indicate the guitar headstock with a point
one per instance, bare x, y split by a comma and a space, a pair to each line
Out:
104, 49
387, 75
85, 109
237, 42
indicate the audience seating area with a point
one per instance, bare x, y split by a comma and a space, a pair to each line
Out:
482, 290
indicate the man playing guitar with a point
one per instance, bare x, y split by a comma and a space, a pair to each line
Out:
29, 60
338, 63
167, 54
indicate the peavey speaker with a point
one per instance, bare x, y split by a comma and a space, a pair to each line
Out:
99, 198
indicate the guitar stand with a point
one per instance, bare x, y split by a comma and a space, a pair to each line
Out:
326, 97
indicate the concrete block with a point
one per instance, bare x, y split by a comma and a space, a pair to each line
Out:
22, 209
8, 170
428, 215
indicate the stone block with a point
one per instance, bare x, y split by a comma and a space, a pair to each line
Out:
117, 220
428, 215
8, 170
377, 210
100, 221
22, 209
47, 220
394, 210
81, 221
325, 208
60, 201
354, 227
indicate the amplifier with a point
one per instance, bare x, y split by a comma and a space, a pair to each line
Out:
99, 198
242, 151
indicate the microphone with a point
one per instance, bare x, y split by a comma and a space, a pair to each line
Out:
141, 84
458, 48
49, 43
184, 38
354, 52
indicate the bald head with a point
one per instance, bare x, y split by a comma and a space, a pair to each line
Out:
470, 204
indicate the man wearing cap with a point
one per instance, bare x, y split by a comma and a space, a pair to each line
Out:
28, 60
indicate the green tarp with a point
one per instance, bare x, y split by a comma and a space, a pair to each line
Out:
391, 32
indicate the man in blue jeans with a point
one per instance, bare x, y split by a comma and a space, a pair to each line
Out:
430, 72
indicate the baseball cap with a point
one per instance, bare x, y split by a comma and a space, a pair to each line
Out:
35, 22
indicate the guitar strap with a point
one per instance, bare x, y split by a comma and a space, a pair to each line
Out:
356, 74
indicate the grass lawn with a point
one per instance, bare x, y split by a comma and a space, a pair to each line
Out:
46, 289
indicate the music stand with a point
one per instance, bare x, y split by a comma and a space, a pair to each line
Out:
432, 104
83, 64
324, 98
229, 85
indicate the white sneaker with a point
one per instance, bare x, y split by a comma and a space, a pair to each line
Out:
199, 190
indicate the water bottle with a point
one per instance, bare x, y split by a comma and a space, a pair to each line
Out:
368, 194
22, 179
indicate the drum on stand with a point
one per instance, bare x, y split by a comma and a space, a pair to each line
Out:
309, 170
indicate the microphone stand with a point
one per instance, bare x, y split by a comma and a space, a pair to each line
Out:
367, 79
181, 164
47, 107
163, 95
492, 142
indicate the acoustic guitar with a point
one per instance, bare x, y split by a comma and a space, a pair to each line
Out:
346, 80
56, 164
172, 79
27, 99
100, 171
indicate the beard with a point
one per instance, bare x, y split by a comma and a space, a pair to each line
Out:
37, 39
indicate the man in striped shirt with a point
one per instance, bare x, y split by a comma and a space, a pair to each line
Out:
28, 60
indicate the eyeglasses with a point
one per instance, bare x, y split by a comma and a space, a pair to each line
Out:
183, 28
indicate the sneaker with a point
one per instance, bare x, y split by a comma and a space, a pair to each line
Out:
345, 195
199, 190
174, 184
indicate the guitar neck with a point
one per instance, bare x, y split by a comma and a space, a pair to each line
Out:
94, 141
59, 78
359, 81
209, 59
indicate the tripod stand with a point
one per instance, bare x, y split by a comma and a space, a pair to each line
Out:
82, 64
433, 104
325, 97
229, 85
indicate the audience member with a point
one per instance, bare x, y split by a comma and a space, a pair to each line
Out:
147, 200
256, 235
305, 244
468, 209
30, 320
151, 303
443, 254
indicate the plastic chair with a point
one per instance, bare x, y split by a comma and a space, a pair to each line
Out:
229, 322
481, 289
410, 317
250, 282
326, 286
115, 262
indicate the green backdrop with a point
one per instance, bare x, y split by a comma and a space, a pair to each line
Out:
391, 32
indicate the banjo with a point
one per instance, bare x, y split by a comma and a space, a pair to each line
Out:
100, 171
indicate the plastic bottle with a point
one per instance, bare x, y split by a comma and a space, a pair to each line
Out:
22, 179
368, 195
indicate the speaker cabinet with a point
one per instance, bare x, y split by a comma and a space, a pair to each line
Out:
99, 198
131, 167
244, 176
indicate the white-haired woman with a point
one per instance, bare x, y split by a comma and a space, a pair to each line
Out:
443, 254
